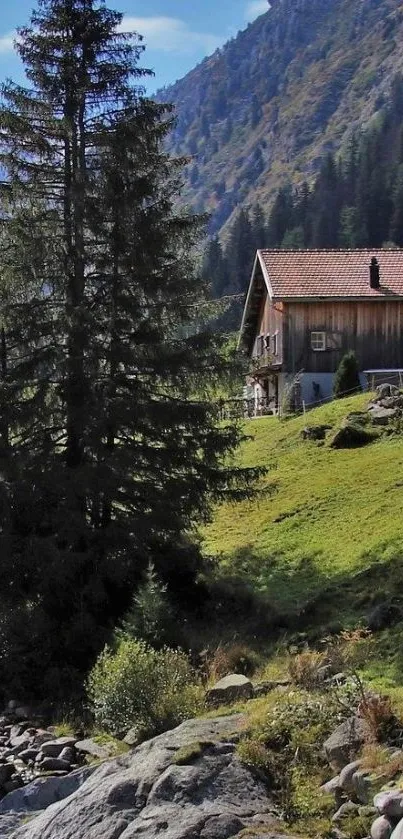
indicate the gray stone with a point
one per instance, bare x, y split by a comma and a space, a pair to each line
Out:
346, 809
382, 416
345, 742
330, 787
40, 737
132, 737
67, 742
263, 688
398, 831
54, 764
90, 747
28, 754
232, 688
381, 828
44, 791
6, 772
346, 776
51, 748
389, 803
362, 786
144, 793
68, 754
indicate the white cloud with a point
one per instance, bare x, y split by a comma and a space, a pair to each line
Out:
255, 8
169, 34
7, 43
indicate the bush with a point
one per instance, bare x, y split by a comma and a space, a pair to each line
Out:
347, 380
304, 668
231, 658
137, 686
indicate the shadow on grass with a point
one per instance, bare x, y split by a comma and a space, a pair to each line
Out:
303, 598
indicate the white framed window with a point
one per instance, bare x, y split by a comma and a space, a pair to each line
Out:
275, 343
318, 341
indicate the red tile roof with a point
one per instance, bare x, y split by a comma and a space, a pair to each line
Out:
331, 273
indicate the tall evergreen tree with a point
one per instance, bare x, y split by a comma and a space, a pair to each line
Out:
113, 447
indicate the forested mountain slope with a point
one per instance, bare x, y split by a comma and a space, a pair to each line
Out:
294, 85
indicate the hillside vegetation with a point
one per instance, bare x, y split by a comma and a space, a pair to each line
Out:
323, 538
293, 86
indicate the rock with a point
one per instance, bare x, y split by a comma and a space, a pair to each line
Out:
51, 748
386, 390
7, 770
345, 742
40, 737
44, 791
263, 688
13, 784
351, 435
232, 688
68, 754
384, 615
382, 416
315, 432
145, 794
362, 786
346, 809
381, 828
132, 737
90, 747
330, 787
389, 803
324, 673
398, 831
54, 764
28, 754
346, 776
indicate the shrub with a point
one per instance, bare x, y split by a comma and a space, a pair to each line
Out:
377, 712
347, 380
231, 658
304, 668
153, 690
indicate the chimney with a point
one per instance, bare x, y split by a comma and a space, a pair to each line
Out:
374, 279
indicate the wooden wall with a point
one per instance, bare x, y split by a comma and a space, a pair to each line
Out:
374, 330
270, 321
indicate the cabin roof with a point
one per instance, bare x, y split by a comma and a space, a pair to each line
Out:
331, 273
304, 275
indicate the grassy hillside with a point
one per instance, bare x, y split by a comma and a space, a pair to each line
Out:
324, 535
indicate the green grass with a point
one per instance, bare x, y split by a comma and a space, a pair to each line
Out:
324, 521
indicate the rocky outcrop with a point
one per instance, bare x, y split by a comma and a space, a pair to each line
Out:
232, 688
186, 783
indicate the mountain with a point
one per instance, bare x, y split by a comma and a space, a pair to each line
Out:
267, 107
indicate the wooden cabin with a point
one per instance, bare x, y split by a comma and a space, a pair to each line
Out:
305, 309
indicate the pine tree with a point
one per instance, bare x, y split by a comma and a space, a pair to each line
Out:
113, 447
347, 380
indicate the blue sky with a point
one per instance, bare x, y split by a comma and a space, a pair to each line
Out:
178, 33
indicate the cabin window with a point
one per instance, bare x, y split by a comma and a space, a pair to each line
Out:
260, 345
267, 342
275, 346
318, 341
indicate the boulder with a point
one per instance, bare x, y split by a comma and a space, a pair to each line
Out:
90, 747
315, 432
390, 803
381, 828
382, 416
6, 772
346, 809
28, 754
232, 688
385, 391
398, 831
263, 688
68, 753
51, 748
144, 793
132, 737
43, 791
347, 774
345, 742
54, 764
362, 786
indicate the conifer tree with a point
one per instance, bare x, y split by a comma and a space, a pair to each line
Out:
112, 447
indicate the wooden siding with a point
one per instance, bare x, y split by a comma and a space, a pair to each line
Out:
270, 322
374, 330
